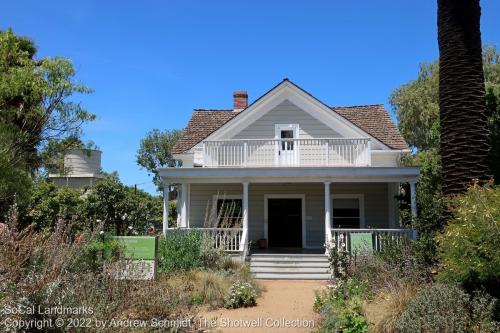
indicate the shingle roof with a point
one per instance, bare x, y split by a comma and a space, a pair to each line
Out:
201, 125
372, 119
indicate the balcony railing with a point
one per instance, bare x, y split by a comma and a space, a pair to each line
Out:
287, 152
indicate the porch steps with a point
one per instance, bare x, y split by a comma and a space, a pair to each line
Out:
289, 266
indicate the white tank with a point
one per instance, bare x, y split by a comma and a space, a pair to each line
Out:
82, 161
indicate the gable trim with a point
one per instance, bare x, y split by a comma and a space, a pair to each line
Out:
286, 90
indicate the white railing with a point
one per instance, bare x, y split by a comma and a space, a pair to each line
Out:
287, 152
227, 239
380, 237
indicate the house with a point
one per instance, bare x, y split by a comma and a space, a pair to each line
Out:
82, 169
297, 172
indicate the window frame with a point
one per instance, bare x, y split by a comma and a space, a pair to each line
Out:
216, 198
361, 205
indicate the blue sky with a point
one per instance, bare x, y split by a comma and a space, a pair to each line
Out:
152, 62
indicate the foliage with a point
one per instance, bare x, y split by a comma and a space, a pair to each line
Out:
49, 204
447, 308
470, 247
36, 106
384, 311
121, 207
242, 294
181, 250
341, 307
156, 152
53, 269
338, 258
417, 109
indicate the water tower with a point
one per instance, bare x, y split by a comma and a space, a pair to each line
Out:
82, 168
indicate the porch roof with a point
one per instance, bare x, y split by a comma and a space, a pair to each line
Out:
290, 175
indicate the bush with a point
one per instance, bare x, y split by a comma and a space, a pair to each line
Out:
396, 265
49, 269
447, 308
470, 247
340, 307
242, 294
181, 250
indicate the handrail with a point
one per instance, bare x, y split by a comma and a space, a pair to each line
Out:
288, 139
380, 237
349, 152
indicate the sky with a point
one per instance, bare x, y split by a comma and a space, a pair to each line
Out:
151, 63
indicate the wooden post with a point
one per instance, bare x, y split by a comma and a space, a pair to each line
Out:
184, 205
328, 224
245, 206
166, 188
413, 195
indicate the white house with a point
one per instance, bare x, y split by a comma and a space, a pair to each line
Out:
301, 172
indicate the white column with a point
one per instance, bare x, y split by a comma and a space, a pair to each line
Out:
184, 205
166, 188
413, 196
328, 213
245, 206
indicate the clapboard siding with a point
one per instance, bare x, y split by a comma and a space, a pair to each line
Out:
375, 194
287, 113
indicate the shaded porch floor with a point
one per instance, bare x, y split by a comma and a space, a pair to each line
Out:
287, 250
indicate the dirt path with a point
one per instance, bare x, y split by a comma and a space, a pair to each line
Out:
284, 306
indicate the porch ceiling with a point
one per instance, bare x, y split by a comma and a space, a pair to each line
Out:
290, 175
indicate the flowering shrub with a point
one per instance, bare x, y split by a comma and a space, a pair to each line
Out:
242, 294
469, 248
338, 257
341, 307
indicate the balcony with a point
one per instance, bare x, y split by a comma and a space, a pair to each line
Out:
334, 152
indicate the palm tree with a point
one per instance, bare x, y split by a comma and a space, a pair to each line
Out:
462, 106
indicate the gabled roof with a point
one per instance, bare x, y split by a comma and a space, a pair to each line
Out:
201, 125
372, 119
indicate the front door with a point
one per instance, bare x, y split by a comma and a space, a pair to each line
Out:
285, 222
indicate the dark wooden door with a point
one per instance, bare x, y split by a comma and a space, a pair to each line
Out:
284, 222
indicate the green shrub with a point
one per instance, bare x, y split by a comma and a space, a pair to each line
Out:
242, 294
213, 258
447, 308
470, 247
341, 307
181, 250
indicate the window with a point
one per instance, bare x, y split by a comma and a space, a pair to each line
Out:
347, 211
229, 212
287, 144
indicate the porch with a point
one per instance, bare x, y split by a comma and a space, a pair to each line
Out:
294, 210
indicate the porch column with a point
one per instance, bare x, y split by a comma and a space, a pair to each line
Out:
413, 196
245, 206
184, 193
328, 213
166, 188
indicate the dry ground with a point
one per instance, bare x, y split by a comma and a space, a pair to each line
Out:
282, 303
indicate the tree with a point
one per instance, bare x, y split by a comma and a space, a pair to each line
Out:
416, 105
156, 152
121, 207
49, 203
465, 146
35, 107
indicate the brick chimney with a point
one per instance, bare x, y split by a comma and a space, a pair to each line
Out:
240, 99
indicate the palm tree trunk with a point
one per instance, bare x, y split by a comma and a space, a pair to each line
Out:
462, 106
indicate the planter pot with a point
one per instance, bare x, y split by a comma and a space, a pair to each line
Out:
262, 243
